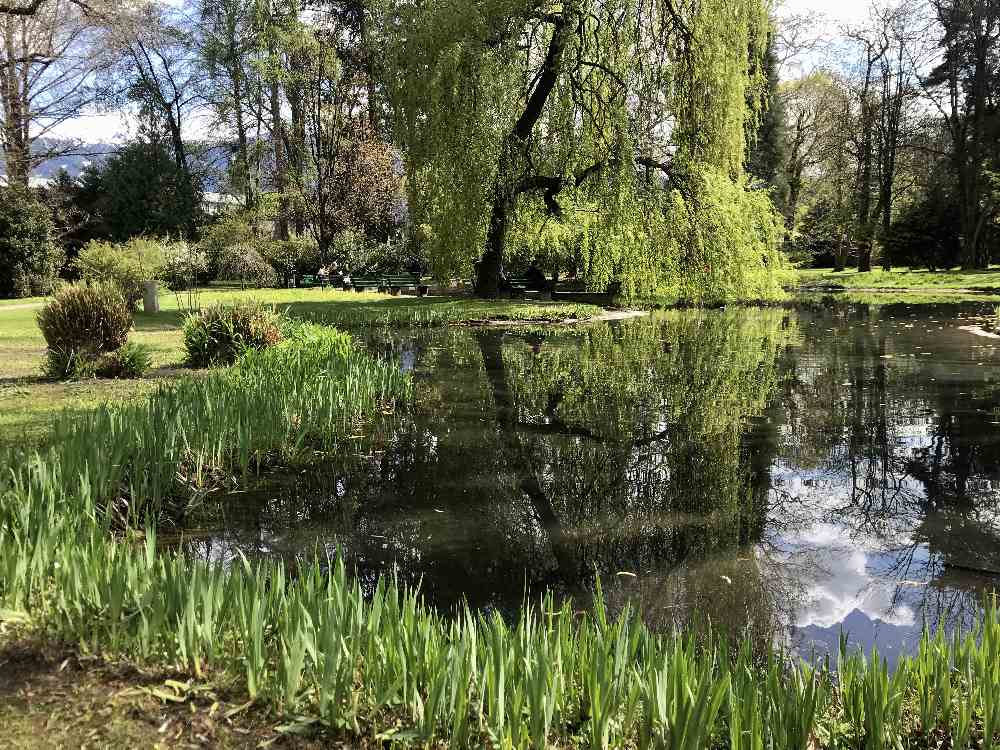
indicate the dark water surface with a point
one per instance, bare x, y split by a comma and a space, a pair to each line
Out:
791, 472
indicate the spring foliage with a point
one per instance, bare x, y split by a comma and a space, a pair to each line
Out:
621, 124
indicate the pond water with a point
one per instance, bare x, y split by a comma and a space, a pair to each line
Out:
793, 473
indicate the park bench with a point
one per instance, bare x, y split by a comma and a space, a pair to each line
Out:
396, 282
361, 283
518, 285
308, 280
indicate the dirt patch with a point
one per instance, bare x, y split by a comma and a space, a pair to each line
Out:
50, 698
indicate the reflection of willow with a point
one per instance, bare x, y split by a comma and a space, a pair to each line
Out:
542, 458
630, 453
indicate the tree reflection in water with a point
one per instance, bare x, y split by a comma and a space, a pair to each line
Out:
780, 471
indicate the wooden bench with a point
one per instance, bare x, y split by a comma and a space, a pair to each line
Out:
361, 283
396, 282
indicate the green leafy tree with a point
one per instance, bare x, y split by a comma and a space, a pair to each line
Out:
769, 144
140, 190
620, 110
30, 259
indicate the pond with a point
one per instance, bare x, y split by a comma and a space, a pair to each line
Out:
792, 473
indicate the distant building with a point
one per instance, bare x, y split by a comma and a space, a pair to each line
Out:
214, 204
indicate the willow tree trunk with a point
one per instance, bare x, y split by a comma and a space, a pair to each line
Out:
489, 269
514, 157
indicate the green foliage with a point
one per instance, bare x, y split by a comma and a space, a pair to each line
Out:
592, 160
360, 255
128, 265
127, 363
140, 190
276, 406
709, 239
925, 234
221, 334
245, 265
223, 234
184, 266
769, 144
85, 320
292, 257
30, 259
69, 364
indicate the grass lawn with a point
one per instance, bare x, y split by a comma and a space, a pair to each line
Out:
901, 278
28, 404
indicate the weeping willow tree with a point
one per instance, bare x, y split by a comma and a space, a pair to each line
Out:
622, 121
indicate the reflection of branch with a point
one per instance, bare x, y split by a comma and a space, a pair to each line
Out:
558, 427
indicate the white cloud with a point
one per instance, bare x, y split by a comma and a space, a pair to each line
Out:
105, 127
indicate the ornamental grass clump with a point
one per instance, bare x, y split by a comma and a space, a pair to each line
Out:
219, 335
81, 325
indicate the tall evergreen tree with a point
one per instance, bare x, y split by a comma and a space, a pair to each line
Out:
768, 146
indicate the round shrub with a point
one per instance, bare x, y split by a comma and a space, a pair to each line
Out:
130, 362
244, 265
91, 318
218, 335
129, 265
184, 266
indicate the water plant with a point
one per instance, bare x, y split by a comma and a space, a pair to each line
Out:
370, 662
278, 406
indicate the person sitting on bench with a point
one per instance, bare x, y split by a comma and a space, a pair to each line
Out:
536, 277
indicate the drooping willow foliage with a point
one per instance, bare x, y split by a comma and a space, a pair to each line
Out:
608, 136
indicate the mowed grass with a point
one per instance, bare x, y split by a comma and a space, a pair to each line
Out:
29, 405
901, 278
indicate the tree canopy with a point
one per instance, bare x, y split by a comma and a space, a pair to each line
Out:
624, 120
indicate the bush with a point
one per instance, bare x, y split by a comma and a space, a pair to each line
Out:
293, 257
220, 334
184, 266
30, 259
80, 325
359, 254
221, 236
128, 265
131, 361
925, 234
244, 265
67, 364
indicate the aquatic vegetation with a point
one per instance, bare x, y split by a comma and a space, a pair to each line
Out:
278, 406
381, 665
369, 660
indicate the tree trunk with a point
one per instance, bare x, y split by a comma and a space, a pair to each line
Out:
489, 269
839, 256
243, 158
280, 164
